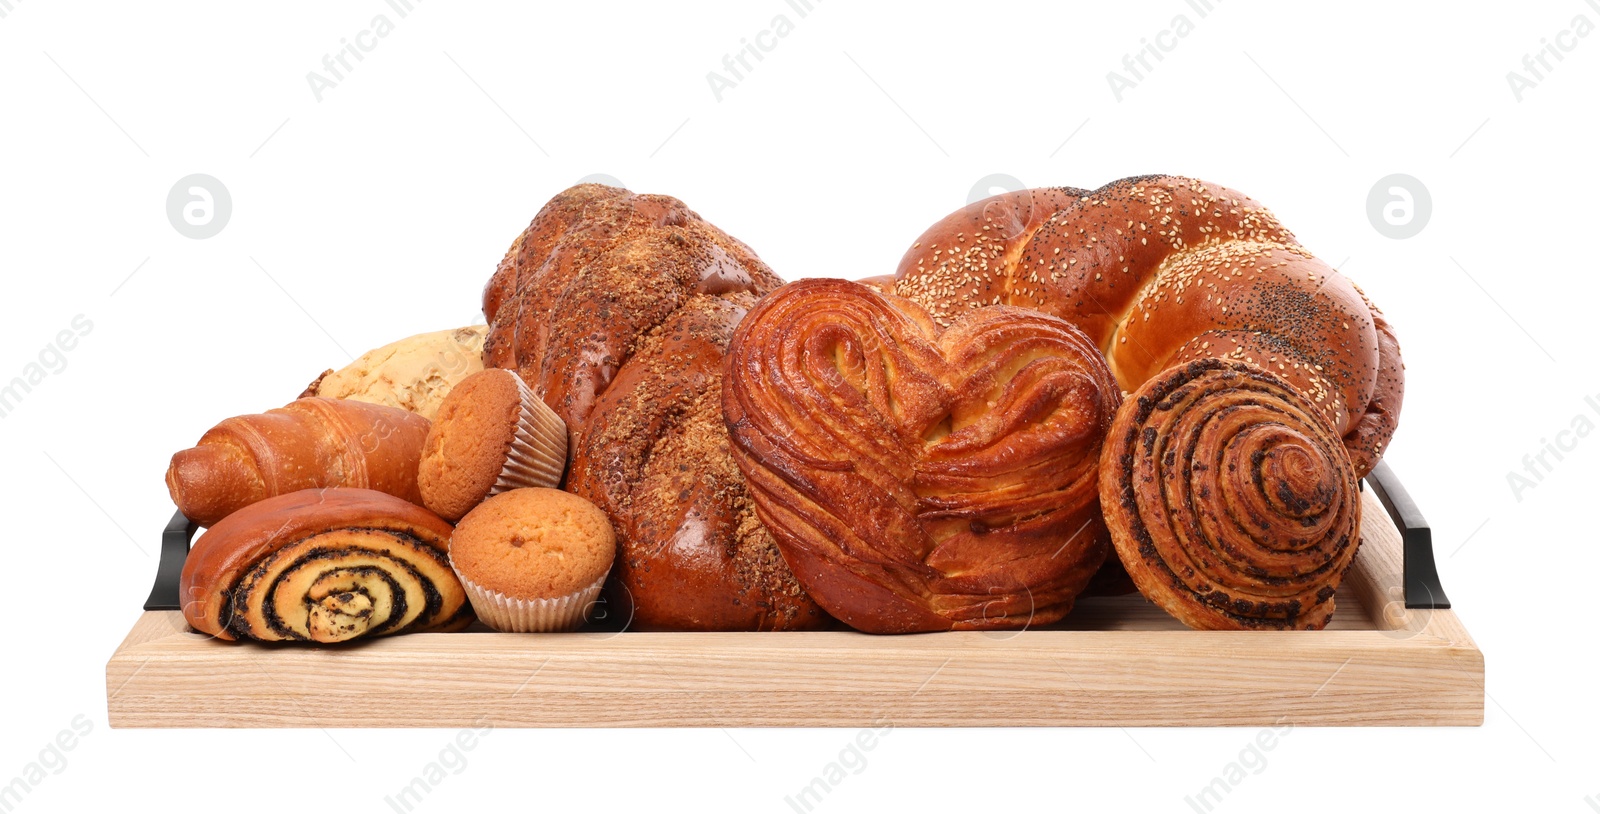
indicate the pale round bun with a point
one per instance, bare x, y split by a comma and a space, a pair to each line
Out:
415, 373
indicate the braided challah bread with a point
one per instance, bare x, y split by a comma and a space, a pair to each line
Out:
1163, 270
617, 308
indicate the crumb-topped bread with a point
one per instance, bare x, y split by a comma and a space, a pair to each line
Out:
617, 308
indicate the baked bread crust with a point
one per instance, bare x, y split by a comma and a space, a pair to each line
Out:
312, 443
915, 478
1163, 270
615, 308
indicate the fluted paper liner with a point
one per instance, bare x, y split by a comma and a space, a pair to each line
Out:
538, 455
510, 615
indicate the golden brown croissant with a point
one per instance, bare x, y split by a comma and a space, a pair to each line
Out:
323, 565
1229, 500
311, 443
1162, 270
919, 479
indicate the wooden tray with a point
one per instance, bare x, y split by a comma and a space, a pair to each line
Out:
1116, 661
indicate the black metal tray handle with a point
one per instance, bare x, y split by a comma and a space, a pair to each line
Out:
1422, 586
1423, 589
175, 541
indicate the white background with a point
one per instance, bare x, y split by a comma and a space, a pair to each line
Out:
381, 210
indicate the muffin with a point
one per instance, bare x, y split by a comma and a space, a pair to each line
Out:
414, 374
533, 560
492, 435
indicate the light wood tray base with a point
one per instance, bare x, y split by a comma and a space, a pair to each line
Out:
1116, 661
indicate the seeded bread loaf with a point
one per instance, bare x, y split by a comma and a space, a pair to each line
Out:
1161, 271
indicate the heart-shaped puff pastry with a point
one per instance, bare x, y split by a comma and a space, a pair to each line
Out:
915, 478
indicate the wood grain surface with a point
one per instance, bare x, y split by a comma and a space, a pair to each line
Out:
1115, 661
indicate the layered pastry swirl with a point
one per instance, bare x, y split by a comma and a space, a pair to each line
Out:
1230, 500
323, 565
919, 478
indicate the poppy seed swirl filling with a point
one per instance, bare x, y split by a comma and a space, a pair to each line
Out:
1230, 499
339, 585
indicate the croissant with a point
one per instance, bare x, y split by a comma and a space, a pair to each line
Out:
1162, 270
916, 478
1230, 501
323, 565
312, 443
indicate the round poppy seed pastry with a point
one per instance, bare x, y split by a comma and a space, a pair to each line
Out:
492, 435
1230, 500
533, 560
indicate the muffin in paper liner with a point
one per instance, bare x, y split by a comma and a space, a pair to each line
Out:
511, 615
493, 434
533, 560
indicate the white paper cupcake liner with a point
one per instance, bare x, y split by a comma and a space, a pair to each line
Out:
538, 455
508, 615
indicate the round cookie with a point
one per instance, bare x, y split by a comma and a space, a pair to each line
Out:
414, 374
